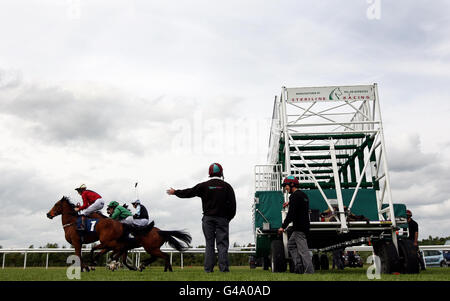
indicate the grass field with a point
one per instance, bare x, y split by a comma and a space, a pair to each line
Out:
197, 274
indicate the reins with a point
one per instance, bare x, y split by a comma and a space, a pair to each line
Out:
72, 213
67, 225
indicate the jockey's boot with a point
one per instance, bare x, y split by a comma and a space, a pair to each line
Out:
128, 234
82, 226
130, 239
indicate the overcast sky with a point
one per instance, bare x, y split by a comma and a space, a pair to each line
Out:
107, 93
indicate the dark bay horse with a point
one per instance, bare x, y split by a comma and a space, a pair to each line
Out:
153, 241
111, 235
107, 230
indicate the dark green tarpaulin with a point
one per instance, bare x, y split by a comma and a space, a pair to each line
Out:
270, 205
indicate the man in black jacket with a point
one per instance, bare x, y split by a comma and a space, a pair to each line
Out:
299, 215
413, 234
219, 208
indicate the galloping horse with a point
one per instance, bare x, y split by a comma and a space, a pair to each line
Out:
152, 239
107, 230
110, 233
152, 242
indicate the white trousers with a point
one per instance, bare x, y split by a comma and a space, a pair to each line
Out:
96, 206
140, 222
129, 220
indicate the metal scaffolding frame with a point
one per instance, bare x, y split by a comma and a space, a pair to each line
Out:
332, 137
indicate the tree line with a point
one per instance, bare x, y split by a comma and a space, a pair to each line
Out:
433, 241
59, 259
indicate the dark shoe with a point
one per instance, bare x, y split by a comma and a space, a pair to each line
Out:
299, 269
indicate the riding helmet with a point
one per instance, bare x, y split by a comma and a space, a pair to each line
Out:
215, 170
290, 180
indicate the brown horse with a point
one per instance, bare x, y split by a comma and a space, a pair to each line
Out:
111, 235
107, 230
153, 241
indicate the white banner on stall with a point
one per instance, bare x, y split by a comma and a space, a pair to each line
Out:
335, 93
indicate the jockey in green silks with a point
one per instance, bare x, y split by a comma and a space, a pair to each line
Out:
120, 213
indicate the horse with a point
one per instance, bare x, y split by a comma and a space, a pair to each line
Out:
107, 230
153, 241
111, 235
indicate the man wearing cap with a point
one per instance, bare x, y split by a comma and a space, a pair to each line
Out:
140, 218
298, 214
413, 234
92, 202
219, 208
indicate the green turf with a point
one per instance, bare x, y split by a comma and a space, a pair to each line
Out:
197, 274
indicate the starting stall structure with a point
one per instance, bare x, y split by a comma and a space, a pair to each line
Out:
332, 140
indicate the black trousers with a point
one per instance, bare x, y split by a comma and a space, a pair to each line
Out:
216, 231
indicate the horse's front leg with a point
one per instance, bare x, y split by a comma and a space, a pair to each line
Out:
95, 257
77, 247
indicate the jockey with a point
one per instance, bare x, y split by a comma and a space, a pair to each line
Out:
141, 217
92, 202
120, 213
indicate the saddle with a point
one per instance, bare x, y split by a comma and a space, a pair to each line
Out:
89, 224
138, 230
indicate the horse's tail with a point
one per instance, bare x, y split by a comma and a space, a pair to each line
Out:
170, 238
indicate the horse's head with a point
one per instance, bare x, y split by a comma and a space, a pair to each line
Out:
109, 210
59, 207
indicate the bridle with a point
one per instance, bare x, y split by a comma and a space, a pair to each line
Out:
67, 225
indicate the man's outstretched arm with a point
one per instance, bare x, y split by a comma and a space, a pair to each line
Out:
185, 193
